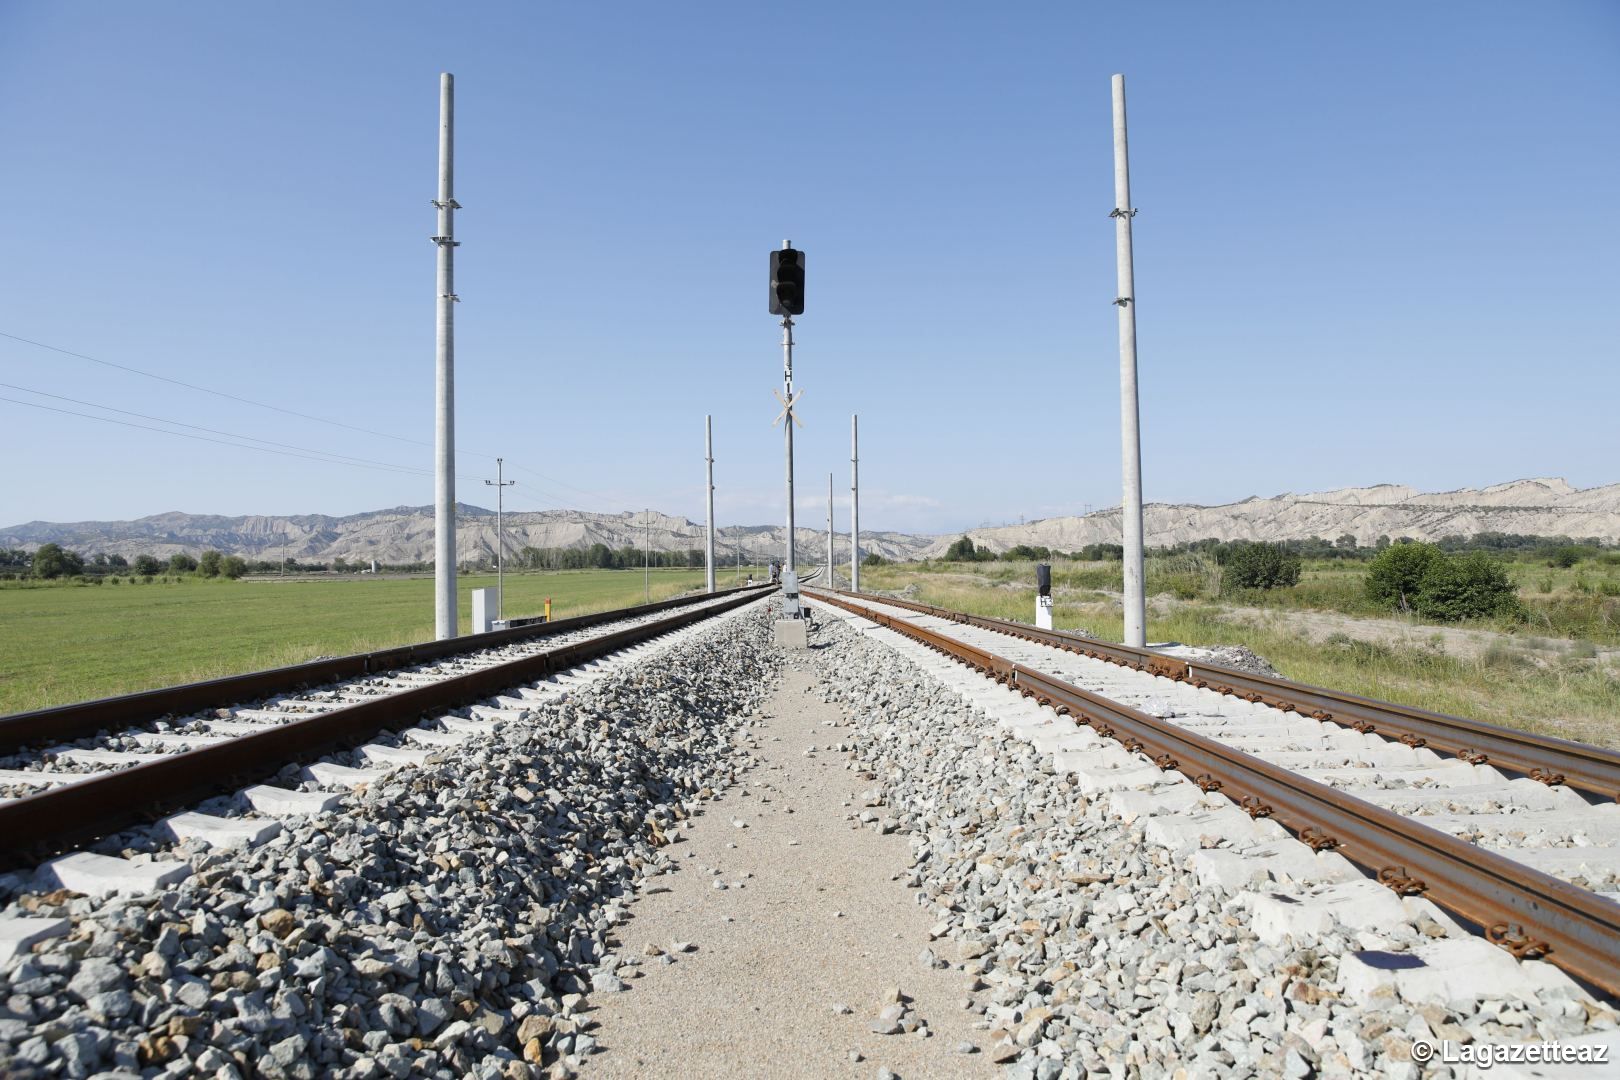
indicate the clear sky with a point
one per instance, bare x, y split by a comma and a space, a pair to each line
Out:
1377, 242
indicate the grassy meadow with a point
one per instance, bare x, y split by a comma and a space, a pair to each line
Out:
1562, 690
62, 643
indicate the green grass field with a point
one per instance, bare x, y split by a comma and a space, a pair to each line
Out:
1571, 697
66, 643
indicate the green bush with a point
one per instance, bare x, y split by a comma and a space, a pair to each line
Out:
233, 567
1261, 566
208, 565
1565, 557
1396, 572
147, 566
181, 563
872, 558
50, 561
1472, 586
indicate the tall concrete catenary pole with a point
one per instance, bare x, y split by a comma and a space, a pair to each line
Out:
444, 427
1129, 412
708, 456
855, 503
829, 531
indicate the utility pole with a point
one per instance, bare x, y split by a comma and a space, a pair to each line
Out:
646, 554
855, 504
500, 485
1129, 411
708, 456
444, 427
829, 532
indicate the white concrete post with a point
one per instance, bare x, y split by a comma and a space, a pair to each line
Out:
1129, 411
855, 504
708, 456
444, 427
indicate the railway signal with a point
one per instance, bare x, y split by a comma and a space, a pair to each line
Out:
787, 300
787, 281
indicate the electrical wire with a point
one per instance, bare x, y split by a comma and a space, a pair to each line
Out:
597, 497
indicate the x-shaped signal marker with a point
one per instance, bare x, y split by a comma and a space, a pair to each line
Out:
788, 409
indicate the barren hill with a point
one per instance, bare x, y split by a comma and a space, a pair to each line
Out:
1545, 507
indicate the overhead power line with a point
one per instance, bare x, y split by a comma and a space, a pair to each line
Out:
596, 497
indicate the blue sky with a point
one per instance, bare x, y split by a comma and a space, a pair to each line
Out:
1376, 243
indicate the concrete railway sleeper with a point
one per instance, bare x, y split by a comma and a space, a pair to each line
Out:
65, 807
1592, 770
1529, 913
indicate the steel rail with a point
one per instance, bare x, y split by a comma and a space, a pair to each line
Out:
37, 826
1529, 913
1593, 770
62, 723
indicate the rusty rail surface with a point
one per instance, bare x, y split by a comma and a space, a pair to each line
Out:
1593, 770
63, 723
1531, 914
37, 826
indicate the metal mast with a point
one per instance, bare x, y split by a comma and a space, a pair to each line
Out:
500, 485
444, 426
855, 504
787, 425
829, 531
1129, 410
708, 456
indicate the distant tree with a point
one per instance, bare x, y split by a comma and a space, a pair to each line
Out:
1470, 586
1396, 571
1346, 542
50, 561
232, 566
208, 565
1381, 543
117, 561
1565, 557
961, 551
1261, 566
146, 565
339, 566
600, 556
181, 563
872, 558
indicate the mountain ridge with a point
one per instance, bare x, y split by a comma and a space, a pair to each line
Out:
1543, 506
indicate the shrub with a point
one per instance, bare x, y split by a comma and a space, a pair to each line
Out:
1396, 571
181, 563
872, 558
233, 567
1471, 586
50, 561
1565, 557
146, 566
1261, 566
208, 565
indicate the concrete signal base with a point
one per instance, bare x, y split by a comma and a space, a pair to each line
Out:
793, 633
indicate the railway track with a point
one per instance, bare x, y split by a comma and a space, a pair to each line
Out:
78, 772
1502, 830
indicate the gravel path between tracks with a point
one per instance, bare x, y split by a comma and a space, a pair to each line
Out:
452, 920
801, 927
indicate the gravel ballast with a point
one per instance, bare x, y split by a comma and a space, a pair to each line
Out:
451, 920
1095, 951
